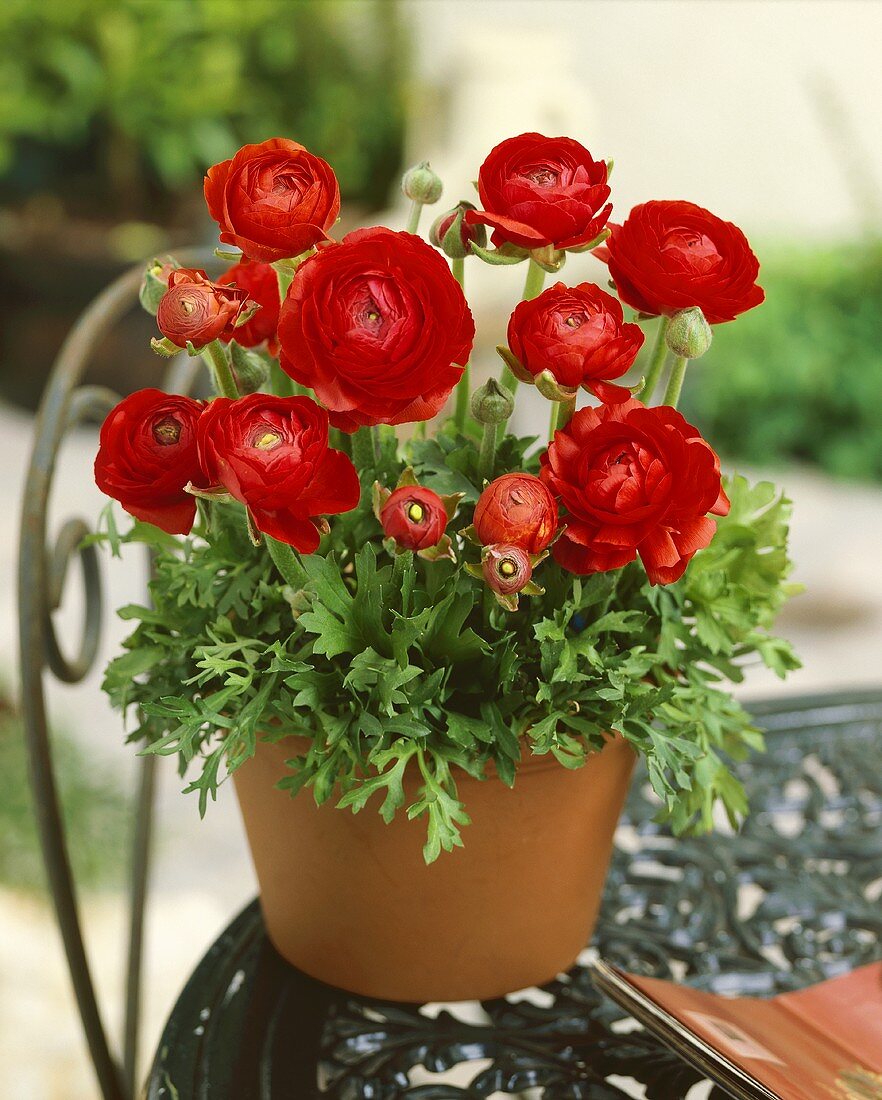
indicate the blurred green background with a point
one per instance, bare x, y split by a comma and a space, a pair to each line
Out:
111, 110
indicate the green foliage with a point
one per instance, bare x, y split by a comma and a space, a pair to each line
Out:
171, 87
399, 669
95, 811
806, 364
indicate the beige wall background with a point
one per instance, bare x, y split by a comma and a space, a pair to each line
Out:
769, 112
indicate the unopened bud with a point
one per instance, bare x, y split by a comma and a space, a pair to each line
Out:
507, 568
491, 404
453, 236
689, 335
421, 184
155, 284
250, 368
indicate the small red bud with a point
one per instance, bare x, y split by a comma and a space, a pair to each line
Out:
517, 508
506, 568
453, 236
415, 517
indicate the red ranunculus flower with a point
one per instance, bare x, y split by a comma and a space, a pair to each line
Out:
272, 455
260, 283
147, 454
516, 508
634, 481
197, 310
507, 568
579, 335
538, 191
378, 327
273, 200
415, 517
671, 255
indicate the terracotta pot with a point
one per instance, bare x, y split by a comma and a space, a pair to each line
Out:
349, 900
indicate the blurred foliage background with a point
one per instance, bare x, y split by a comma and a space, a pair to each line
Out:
800, 378
130, 100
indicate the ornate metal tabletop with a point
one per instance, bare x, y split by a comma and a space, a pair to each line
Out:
791, 899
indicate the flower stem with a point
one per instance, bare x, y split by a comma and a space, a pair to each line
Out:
656, 363
363, 450
397, 572
413, 221
675, 382
285, 279
534, 282
215, 355
287, 562
532, 288
376, 443
487, 456
561, 415
463, 387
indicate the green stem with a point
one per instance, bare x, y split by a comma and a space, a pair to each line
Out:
656, 362
463, 386
675, 382
534, 282
215, 355
363, 450
376, 444
285, 279
487, 456
561, 415
287, 562
413, 221
397, 572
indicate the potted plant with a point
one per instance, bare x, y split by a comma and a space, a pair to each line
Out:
472, 633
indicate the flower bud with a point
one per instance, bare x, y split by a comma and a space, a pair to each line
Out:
155, 284
250, 368
421, 184
454, 236
491, 404
194, 310
506, 568
689, 335
516, 508
415, 517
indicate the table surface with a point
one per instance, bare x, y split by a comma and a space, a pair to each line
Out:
794, 898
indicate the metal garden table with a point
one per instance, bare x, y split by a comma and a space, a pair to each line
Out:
795, 897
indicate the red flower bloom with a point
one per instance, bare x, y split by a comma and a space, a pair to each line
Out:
415, 517
273, 200
539, 191
578, 334
260, 283
272, 455
671, 255
519, 509
377, 327
634, 481
507, 568
147, 454
197, 310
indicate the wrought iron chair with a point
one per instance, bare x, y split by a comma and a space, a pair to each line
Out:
43, 572
248, 1025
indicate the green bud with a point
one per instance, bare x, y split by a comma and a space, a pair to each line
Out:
689, 335
450, 233
251, 368
155, 284
421, 184
491, 404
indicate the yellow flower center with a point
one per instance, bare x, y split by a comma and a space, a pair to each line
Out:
507, 567
415, 512
267, 440
167, 431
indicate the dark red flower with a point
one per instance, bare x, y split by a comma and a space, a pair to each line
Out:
415, 517
634, 480
671, 255
378, 327
261, 284
272, 455
273, 200
197, 310
147, 454
579, 335
507, 568
516, 508
538, 191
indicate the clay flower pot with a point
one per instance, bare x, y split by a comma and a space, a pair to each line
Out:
349, 900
